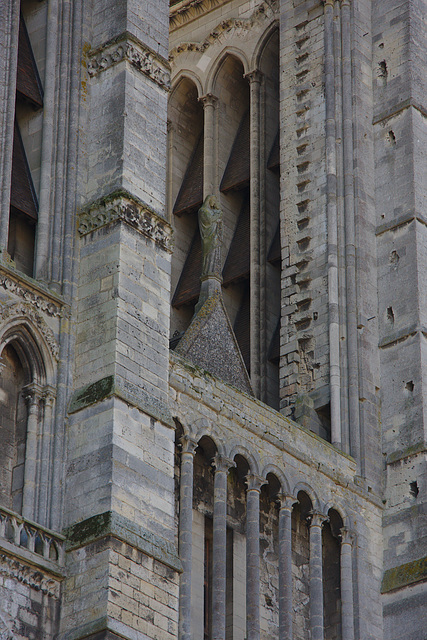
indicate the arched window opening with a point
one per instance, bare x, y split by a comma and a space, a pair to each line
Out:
14, 376
26, 157
301, 567
332, 576
270, 251
232, 90
186, 196
269, 554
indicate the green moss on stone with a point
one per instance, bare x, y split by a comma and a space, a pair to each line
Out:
404, 575
92, 393
90, 529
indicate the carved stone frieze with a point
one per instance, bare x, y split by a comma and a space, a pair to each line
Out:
266, 10
27, 575
136, 214
137, 55
25, 310
18, 288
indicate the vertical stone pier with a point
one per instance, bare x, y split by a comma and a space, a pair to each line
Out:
123, 567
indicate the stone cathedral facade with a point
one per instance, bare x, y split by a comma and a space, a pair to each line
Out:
213, 312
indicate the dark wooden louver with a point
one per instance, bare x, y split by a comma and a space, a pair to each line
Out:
237, 265
22, 194
237, 172
242, 328
274, 350
190, 196
274, 254
188, 288
28, 84
274, 158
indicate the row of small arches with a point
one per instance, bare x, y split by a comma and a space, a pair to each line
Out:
277, 483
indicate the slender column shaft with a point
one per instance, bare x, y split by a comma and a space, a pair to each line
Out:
42, 253
347, 613
186, 536
331, 187
209, 150
31, 454
316, 577
219, 549
255, 78
254, 483
285, 567
350, 236
44, 476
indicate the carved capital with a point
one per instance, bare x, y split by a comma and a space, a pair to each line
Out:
125, 208
286, 501
32, 396
347, 536
222, 464
189, 445
48, 396
255, 76
254, 482
316, 518
208, 100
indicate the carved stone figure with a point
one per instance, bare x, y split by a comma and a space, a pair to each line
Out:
210, 224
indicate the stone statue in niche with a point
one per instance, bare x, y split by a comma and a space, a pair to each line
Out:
210, 224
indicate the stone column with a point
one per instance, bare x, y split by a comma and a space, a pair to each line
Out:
316, 577
45, 467
222, 465
285, 566
186, 535
254, 483
255, 78
209, 151
347, 614
32, 397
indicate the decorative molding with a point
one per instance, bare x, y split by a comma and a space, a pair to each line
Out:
25, 310
27, 575
9, 283
139, 56
137, 215
267, 10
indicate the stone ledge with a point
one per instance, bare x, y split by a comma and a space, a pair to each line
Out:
109, 386
405, 575
111, 523
127, 47
123, 207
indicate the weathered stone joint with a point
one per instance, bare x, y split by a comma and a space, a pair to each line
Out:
124, 208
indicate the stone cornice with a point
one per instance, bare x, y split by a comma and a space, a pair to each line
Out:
267, 9
186, 10
30, 576
129, 49
123, 207
43, 301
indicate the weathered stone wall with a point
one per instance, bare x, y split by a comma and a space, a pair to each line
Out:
205, 406
399, 49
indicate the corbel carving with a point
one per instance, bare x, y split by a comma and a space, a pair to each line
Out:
136, 214
140, 57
